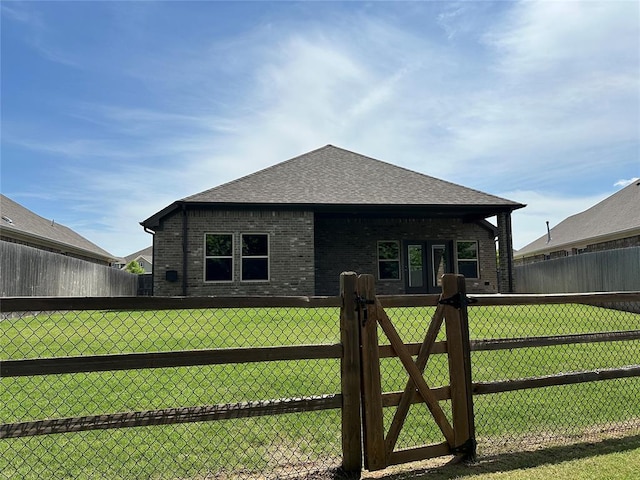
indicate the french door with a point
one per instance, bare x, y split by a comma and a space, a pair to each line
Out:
425, 261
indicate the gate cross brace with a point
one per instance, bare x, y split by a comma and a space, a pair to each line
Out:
415, 374
421, 362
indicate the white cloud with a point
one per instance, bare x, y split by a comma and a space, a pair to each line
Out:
540, 37
535, 101
624, 183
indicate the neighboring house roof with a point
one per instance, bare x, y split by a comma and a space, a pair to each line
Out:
144, 257
617, 216
332, 177
22, 224
145, 253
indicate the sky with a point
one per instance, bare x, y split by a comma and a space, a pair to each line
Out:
113, 110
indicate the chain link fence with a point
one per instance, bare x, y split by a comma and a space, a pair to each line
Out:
304, 443
274, 446
532, 418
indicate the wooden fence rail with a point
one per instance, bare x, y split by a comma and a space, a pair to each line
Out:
190, 358
49, 304
169, 416
347, 351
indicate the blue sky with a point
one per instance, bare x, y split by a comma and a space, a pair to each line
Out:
113, 110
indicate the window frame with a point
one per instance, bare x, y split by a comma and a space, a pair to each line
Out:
232, 257
397, 260
267, 257
469, 260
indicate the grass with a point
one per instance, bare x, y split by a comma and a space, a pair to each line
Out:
610, 459
255, 444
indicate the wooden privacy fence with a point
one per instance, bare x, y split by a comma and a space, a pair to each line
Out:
603, 271
29, 271
365, 443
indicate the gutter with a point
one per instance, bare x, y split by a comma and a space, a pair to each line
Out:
153, 256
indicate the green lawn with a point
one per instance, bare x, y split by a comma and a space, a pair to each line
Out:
190, 450
613, 459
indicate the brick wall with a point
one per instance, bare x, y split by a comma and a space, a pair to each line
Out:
341, 244
350, 244
290, 252
633, 241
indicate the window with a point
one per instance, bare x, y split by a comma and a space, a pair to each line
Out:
255, 257
218, 257
389, 260
467, 254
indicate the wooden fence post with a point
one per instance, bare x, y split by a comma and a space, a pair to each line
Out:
373, 428
350, 375
459, 353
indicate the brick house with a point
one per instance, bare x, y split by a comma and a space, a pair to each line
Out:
290, 229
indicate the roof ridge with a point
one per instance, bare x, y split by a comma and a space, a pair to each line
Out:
332, 176
61, 233
330, 146
414, 172
600, 219
605, 202
253, 174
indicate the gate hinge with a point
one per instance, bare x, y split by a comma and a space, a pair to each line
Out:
457, 300
361, 306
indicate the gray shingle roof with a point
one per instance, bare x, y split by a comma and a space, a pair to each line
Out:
618, 214
146, 253
334, 176
18, 220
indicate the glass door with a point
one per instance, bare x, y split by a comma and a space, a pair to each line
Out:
425, 261
416, 261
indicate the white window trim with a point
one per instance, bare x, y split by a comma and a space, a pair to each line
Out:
397, 242
477, 259
232, 257
267, 256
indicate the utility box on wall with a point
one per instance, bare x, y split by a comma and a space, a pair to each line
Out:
171, 275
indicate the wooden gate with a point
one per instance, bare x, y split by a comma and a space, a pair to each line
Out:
364, 404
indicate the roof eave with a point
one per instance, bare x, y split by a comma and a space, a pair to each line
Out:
470, 212
47, 242
153, 221
583, 241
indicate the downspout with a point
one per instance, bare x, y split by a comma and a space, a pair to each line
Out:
509, 251
184, 249
153, 256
